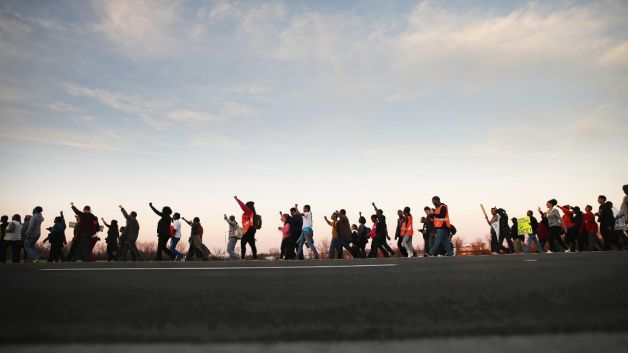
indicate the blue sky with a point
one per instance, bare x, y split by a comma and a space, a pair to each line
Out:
335, 104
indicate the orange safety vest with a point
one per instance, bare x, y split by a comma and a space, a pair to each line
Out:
247, 222
406, 227
438, 222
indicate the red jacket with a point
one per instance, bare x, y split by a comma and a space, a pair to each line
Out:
589, 224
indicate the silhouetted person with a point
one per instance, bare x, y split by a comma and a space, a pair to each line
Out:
163, 231
197, 248
607, 221
13, 238
32, 234
57, 240
131, 232
87, 226
442, 224
113, 235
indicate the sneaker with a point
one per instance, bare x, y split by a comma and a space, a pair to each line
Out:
567, 250
175, 258
183, 258
549, 252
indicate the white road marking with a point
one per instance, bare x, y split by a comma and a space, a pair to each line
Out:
209, 268
529, 260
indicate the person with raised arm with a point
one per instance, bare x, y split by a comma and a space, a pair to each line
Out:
87, 227
131, 232
57, 240
362, 237
196, 241
381, 235
248, 227
163, 231
233, 237
333, 245
345, 240
307, 236
113, 234
398, 236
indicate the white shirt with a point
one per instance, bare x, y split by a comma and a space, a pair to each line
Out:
307, 219
177, 228
16, 234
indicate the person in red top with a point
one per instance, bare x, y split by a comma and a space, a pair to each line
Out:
543, 231
248, 216
590, 227
88, 227
571, 232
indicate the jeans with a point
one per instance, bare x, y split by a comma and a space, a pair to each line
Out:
532, 238
173, 247
592, 240
401, 247
442, 238
307, 237
56, 252
31, 253
231, 249
407, 244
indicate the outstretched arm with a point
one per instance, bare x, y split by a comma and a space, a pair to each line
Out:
243, 206
296, 207
375, 207
105, 222
78, 213
329, 222
186, 221
126, 215
62, 219
155, 210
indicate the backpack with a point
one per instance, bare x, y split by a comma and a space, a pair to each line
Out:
238, 232
257, 221
452, 230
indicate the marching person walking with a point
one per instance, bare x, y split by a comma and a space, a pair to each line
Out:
308, 232
407, 232
248, 226
87, 227
163, 231
442, 224
113, 235
197, 248
235, 233
131, 232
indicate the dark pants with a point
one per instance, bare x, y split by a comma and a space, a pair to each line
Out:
572, 238
15, 250
361, 250
611, 238
248, 238
379, 243
74, 249
282, 248
401, 248
556, 242
426, 243
111, 251
505, 234
56, 252
344, 244
583, 240
162, 246
129, 246
494, 244
86, 247
291, 246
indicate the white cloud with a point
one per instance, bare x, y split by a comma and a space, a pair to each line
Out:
59, 106
139, 28
192, 117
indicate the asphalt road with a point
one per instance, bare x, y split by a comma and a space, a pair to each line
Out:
315, 301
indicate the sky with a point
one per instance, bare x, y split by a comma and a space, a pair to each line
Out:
335, 104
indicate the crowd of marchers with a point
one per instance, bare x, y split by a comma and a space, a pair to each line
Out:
563, 228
